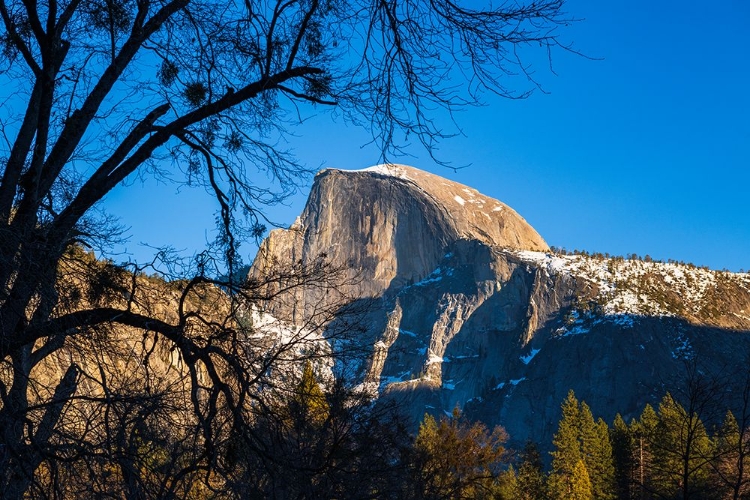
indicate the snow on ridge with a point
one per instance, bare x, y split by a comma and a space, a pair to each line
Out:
389, 169
459, 200
636, 287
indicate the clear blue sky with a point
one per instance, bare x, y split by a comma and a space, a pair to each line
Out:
645, 150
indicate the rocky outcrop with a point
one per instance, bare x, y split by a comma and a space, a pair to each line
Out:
388, 226
467, 306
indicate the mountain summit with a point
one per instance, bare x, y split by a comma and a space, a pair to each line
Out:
467, 306
463, 211
391, 224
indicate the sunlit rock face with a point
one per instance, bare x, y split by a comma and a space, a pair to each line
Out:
465, 305
391, 226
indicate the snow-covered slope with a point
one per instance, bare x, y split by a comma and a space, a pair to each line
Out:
618, 286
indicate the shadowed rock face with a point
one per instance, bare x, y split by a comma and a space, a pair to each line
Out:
467, 306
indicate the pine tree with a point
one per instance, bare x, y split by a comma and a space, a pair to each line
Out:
623, 457
566, 440
508, 487
579, 438
596, 450
309, 401
531, 480
580, 484
644, 432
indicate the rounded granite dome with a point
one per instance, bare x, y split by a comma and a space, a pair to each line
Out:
388, 226
472, 214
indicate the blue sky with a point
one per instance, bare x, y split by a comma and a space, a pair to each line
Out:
645, 148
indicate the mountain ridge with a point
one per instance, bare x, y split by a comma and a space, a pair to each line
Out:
485, 316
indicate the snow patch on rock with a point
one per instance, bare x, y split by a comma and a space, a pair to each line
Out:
389, 169
527, 359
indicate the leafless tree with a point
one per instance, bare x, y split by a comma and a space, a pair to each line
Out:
732, 444
198, 92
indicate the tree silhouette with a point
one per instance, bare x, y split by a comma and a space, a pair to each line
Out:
198, 92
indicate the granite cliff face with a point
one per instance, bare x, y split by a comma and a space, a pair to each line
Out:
389, 226
467, 305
